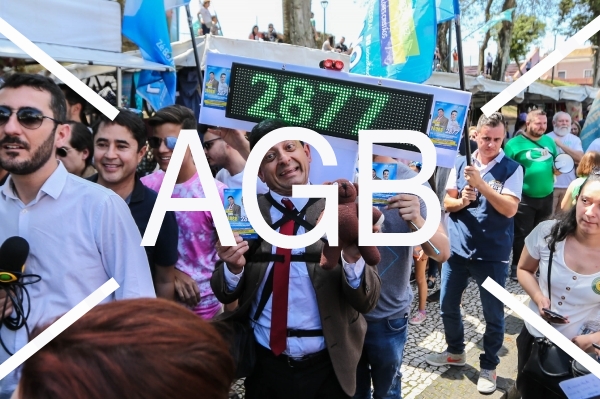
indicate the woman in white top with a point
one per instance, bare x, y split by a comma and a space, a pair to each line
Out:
575, 278
328, 45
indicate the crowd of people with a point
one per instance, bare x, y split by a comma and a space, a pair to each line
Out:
76, 195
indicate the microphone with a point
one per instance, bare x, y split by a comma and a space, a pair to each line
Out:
13, 281
13, 253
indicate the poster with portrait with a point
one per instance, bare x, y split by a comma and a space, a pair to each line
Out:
383, 171
447, 124
233, 204
216, 87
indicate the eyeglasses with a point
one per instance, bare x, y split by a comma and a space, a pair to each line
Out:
170, 141
208, 144
63, 151
29, 118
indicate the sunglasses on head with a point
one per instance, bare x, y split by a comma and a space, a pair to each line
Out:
170, 141
209, 143
29, 118
62, 152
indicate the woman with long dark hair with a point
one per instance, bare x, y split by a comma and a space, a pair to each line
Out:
255, 34
569, 248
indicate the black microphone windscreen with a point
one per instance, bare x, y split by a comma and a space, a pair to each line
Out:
13, 253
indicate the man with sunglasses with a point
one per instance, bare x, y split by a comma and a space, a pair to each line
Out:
220, 154
80, 234
118, 147
482, 200
197, 233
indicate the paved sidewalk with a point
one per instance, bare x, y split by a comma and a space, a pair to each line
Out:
420, 380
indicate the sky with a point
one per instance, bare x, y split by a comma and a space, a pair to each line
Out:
343, 18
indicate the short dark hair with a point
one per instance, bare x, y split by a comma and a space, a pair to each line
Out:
58, 104
454, 112
386, 170
263, 128
211, 73
177, 114
441, 109
81, 139
73, 98
495, 119
223, 74
129, 120
231, 196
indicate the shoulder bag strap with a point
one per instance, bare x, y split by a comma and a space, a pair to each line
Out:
549, 272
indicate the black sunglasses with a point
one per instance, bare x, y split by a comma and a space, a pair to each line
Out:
62, 152
29, 118
170, 141
209, 143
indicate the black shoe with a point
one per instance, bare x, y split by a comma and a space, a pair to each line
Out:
435, 297
513, 274
430, 284
412, 277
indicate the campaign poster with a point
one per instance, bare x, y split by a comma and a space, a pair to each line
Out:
236, 214
383, 171
446, 125
216, 87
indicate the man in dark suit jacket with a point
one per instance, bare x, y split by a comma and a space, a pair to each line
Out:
324, 325
235, 209
440, 123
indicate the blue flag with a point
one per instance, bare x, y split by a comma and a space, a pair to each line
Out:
145, 24
397, 41
591, 129
445, 10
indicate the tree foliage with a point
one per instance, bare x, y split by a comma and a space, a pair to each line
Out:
575, 15
526, 30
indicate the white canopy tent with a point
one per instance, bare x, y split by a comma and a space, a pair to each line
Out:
483, 88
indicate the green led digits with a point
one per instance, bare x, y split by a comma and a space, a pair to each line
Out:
296, 102
378, 102
259, 108
341, 95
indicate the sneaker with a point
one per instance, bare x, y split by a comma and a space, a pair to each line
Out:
513, 274
430, 284
446, 359
487, 381
434, 297
419, 318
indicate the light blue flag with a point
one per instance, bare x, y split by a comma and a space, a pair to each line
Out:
591, 128
145, 24
397, 41
505, 15
445, 10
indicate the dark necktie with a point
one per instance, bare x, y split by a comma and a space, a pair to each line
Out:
281, 282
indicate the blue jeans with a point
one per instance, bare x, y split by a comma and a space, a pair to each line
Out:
455, 274
381, 359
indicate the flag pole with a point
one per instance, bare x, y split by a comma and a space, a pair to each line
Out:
461, 77
194, 45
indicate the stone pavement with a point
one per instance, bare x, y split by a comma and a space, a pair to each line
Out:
420, 380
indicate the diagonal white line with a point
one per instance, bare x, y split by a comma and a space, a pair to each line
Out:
57, 327
542, 67
58, 70
542, 326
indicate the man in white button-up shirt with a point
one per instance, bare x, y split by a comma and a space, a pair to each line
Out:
325, 327
80, 234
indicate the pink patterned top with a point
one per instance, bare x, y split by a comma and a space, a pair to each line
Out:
197, 240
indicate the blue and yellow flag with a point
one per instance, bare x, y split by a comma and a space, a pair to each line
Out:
397, 41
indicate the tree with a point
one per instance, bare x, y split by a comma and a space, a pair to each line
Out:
526, 30
486, 37
296, 23
504, 40
577, 14
442, 43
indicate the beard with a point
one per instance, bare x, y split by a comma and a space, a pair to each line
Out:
535, 133
33, 164
562, 131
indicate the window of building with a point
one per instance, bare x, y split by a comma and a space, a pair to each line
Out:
562, 74
588, 73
